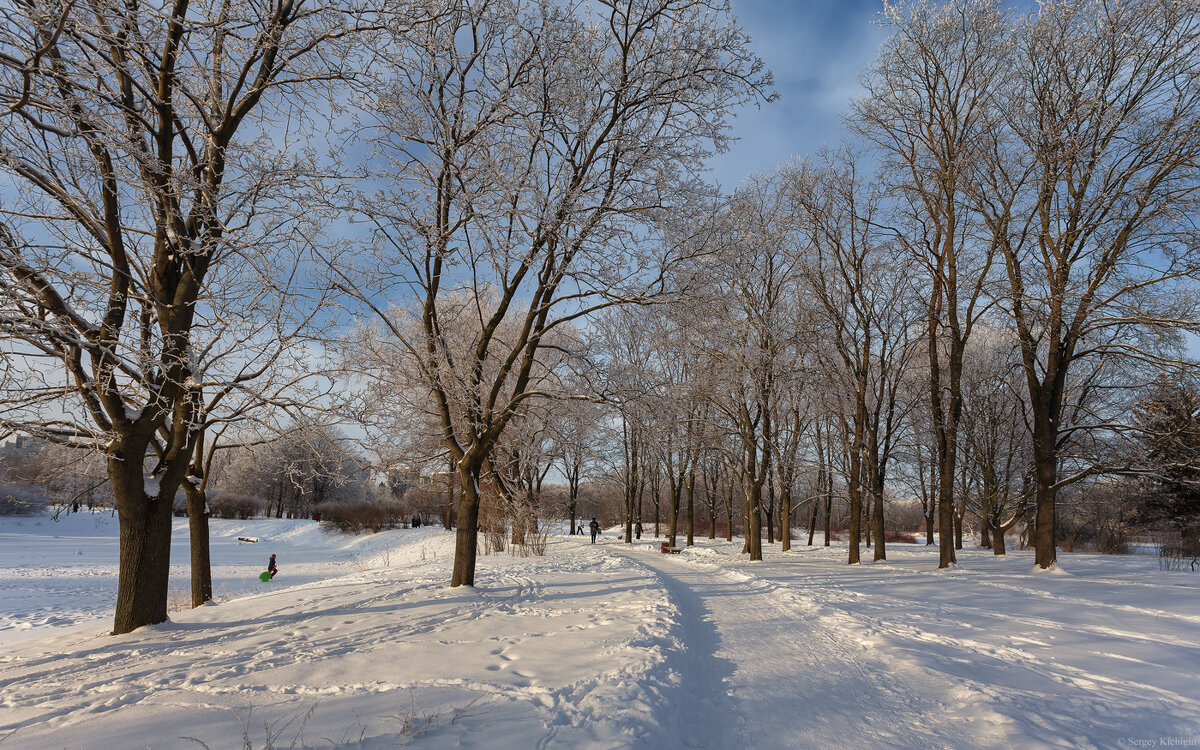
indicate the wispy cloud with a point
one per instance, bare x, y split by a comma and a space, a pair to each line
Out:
817, 50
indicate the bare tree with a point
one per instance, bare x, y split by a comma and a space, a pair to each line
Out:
996, 435
1091, 195
152, 199
526, 152
576, 432
858, 282
753, 338
931, 93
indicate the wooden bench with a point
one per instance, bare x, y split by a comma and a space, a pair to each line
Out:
667, 549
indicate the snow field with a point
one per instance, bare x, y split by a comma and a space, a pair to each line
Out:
360, 643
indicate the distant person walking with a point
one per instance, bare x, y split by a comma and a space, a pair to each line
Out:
271, 567
595, 527
580, 530
637, 530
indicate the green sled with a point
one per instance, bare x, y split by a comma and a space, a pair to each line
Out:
264, 576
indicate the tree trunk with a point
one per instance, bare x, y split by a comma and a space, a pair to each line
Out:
929, 541
769, 512
785, 518
855, 519
451, 478
746, 521
986, 514
466, 543
198, 532
691, 510
877, 519
145, 546
945, 503
828, 515
754, 527
1045, 550
673, 519
729, 512
812, 524
867, 527
712, 515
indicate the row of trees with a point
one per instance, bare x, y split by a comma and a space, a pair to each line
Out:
512, 216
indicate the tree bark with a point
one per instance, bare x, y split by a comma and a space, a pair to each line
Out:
466, 543
145, 544
198, 534
877, 520
1045, 549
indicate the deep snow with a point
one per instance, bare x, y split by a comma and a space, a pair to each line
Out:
360, 643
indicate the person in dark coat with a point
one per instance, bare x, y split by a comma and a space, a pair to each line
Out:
637, 529
595, 527
271, 567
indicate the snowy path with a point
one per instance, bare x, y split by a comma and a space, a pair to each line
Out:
905, 656
802, 679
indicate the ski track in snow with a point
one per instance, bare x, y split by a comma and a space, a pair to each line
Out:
603, 646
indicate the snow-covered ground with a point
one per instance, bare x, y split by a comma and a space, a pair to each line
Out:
360, 643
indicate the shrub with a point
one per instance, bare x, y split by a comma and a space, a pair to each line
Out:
358, 516
18, 500
899, 537
1179, 551
229, 505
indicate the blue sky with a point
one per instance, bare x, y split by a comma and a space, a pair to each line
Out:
816, 50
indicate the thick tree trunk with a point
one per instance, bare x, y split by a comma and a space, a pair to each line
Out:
1045, 549
855, 532
998, 542
145, 546
754, 527
946, 556
198, 533
466, 543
